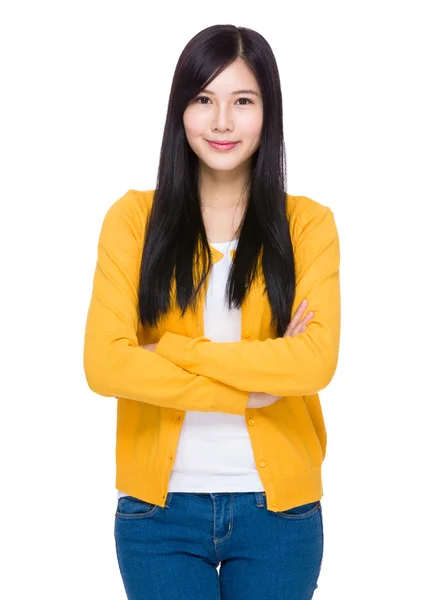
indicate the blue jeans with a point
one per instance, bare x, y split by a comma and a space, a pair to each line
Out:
172, 552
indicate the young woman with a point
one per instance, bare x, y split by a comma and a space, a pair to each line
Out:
215, 321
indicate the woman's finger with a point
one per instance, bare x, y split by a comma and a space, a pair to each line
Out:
299, 327
309, 316
297, 316
295, 330
293, 323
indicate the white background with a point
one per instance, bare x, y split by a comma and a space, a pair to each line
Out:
84, 90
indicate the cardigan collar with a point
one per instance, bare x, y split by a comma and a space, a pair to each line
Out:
217, 255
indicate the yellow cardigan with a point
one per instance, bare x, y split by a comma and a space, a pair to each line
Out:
189, 372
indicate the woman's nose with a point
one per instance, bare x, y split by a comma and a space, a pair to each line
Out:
223, 119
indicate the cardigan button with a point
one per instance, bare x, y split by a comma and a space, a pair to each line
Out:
246, 334
262, 463
251, 421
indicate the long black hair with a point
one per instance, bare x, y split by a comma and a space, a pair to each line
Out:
175, 233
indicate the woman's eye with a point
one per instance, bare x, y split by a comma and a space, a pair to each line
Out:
205, 98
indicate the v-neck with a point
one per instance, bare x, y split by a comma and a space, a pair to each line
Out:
219, 249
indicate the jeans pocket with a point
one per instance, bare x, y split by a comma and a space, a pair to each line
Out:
304, 511
130, 507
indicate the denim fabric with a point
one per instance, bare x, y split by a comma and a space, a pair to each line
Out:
223, 546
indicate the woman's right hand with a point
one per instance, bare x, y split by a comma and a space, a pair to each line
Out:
296, 325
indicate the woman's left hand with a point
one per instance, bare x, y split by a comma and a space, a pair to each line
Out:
151, 347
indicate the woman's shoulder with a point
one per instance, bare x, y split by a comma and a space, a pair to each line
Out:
303, 207
133, 200
306, 214
127, 215
307, 217
132, 207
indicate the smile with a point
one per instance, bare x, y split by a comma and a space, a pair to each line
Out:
222, 147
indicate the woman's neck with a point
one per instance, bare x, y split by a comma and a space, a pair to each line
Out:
222, 191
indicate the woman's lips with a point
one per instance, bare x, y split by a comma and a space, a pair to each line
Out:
222, 147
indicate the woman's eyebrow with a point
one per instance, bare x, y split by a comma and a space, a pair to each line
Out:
234, 93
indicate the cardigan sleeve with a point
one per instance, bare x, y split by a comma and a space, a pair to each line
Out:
114, 363
285, 366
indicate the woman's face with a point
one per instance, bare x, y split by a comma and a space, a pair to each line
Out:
220, 115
